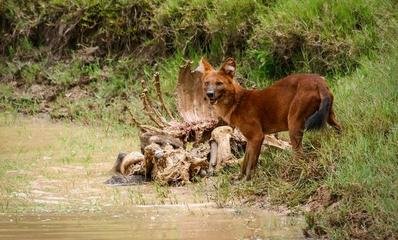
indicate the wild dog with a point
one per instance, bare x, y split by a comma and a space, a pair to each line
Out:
294, 103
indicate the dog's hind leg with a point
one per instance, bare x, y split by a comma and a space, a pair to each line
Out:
333, 122
296, 137
301, 108
244, 163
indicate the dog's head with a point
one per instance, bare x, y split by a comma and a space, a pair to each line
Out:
217, 84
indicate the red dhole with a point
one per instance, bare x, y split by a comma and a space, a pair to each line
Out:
294, 103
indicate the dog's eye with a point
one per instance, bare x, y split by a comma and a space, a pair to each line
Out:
219, 83
206, 83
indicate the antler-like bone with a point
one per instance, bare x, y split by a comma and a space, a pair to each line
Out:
147, 102
149, 110
160, 95
133, 119
143, 127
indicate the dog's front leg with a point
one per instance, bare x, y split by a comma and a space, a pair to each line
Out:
252, 131
252, 152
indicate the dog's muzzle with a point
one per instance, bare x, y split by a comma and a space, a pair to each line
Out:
211, 95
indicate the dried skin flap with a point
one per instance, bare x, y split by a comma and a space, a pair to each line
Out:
191, 103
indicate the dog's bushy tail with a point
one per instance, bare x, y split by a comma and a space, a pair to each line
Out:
318, 119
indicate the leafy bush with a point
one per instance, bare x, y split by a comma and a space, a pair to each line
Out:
317, 35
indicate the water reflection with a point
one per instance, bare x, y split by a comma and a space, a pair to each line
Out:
155, 223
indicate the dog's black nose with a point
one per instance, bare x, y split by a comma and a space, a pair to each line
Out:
210, 94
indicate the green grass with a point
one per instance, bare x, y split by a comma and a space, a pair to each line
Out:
364, 177
320, 36
357, 167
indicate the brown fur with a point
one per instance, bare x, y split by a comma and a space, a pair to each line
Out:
288, 105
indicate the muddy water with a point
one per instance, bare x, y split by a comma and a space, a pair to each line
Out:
155, 223
51, 187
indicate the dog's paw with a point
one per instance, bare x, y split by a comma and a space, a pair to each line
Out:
237, 178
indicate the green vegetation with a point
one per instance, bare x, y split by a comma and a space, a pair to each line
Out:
84, 59
350, 178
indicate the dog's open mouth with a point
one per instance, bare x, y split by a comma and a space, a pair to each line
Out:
215, 99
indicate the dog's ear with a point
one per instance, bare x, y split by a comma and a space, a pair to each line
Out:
229, 67
204, 66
